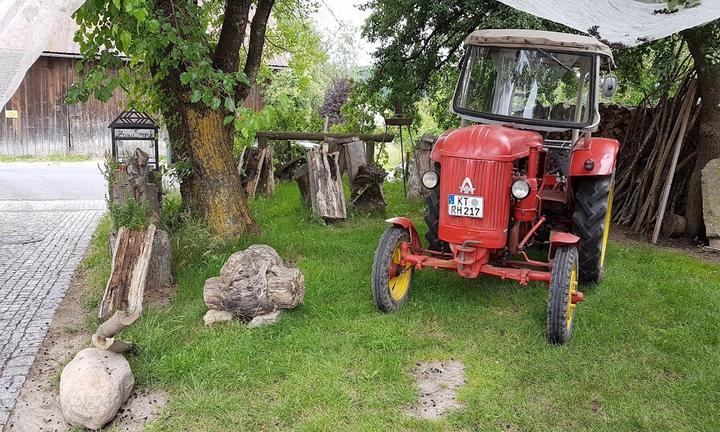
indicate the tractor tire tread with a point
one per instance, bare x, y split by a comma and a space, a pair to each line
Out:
380, 277
591, 205
432, 219
558, 295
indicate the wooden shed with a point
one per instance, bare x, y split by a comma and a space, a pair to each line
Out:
37, 121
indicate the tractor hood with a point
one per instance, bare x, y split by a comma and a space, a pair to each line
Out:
486, 142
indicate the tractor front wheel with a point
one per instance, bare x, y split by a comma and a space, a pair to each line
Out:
390, 279
591, 221
563, 295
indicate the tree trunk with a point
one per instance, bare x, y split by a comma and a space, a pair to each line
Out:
700, 40
216, 189
211, 186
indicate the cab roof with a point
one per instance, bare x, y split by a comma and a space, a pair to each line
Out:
538, 38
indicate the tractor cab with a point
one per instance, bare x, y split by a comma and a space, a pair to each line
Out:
536, 80
503, 183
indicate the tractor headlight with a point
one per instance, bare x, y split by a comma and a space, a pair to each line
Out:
430, 179
520, 189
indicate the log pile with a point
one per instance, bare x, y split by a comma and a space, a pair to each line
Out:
656, 146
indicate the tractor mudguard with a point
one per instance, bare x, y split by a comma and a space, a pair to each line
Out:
407, 224
595, 159
560, 239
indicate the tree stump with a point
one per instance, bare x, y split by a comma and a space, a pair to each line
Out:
256, 170
366, 190
135, 181
159, 271
421, 162
254, 282
326, 188
122, 301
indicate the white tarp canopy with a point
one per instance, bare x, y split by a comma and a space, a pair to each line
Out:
624, 22
26, 26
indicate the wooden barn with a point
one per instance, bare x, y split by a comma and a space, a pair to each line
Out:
37, 121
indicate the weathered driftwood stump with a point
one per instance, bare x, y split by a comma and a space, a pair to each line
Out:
326, 187
366, 189
254, 282
420, 163
122, 301
159, 272
256, 169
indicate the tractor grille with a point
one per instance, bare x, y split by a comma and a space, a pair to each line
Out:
491, 180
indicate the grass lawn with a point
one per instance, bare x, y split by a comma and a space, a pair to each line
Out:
49, 158
644, 357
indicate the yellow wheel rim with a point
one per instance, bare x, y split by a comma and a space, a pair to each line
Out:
399, 284
606, 229
571, 294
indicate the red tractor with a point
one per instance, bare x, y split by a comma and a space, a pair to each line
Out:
526, 173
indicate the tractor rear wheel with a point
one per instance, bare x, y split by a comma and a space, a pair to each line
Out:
390, 279
563, 295
432, 219
591, 221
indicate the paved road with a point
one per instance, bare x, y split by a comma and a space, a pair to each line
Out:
48, 212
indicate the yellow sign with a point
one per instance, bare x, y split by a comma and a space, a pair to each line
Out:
12, 114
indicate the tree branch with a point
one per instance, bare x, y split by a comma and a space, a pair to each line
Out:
232, 35
256, 44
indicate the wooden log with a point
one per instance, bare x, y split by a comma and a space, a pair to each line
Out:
319, 136
126, 285
287, 170
370, 152
326, 189
254, 282
303, 182
353, 154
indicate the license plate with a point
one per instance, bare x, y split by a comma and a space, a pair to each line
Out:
465, 206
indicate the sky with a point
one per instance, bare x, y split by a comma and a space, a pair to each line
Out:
346, 12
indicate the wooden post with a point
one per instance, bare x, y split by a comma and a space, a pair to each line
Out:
369, 152
262, 141
354, 156
685, 116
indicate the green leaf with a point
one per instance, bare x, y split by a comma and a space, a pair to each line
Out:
215, 104
196, 96
229, 119
140, 14
125, 39
117, 4
229, 104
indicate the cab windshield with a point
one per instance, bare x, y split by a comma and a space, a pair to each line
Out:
528, 85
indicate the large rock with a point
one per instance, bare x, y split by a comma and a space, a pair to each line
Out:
254, 282
711, 201
93, 387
